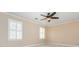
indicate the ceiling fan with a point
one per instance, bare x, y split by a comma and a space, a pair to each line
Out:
49, 16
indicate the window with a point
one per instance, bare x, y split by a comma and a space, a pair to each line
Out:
14, 30
42, 33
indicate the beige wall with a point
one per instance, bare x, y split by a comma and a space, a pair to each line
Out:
30, 31
66, 33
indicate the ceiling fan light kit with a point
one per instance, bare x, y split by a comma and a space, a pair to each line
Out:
48, 19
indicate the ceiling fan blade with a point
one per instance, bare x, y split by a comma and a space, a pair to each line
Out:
53, 14
43, 15
54, 17
48, 14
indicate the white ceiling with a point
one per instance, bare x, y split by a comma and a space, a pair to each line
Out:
63, 17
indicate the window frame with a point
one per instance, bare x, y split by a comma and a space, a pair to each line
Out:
42, 33
9, 29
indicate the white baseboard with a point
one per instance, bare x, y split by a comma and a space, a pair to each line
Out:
34, 44
54, 44
63, 44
